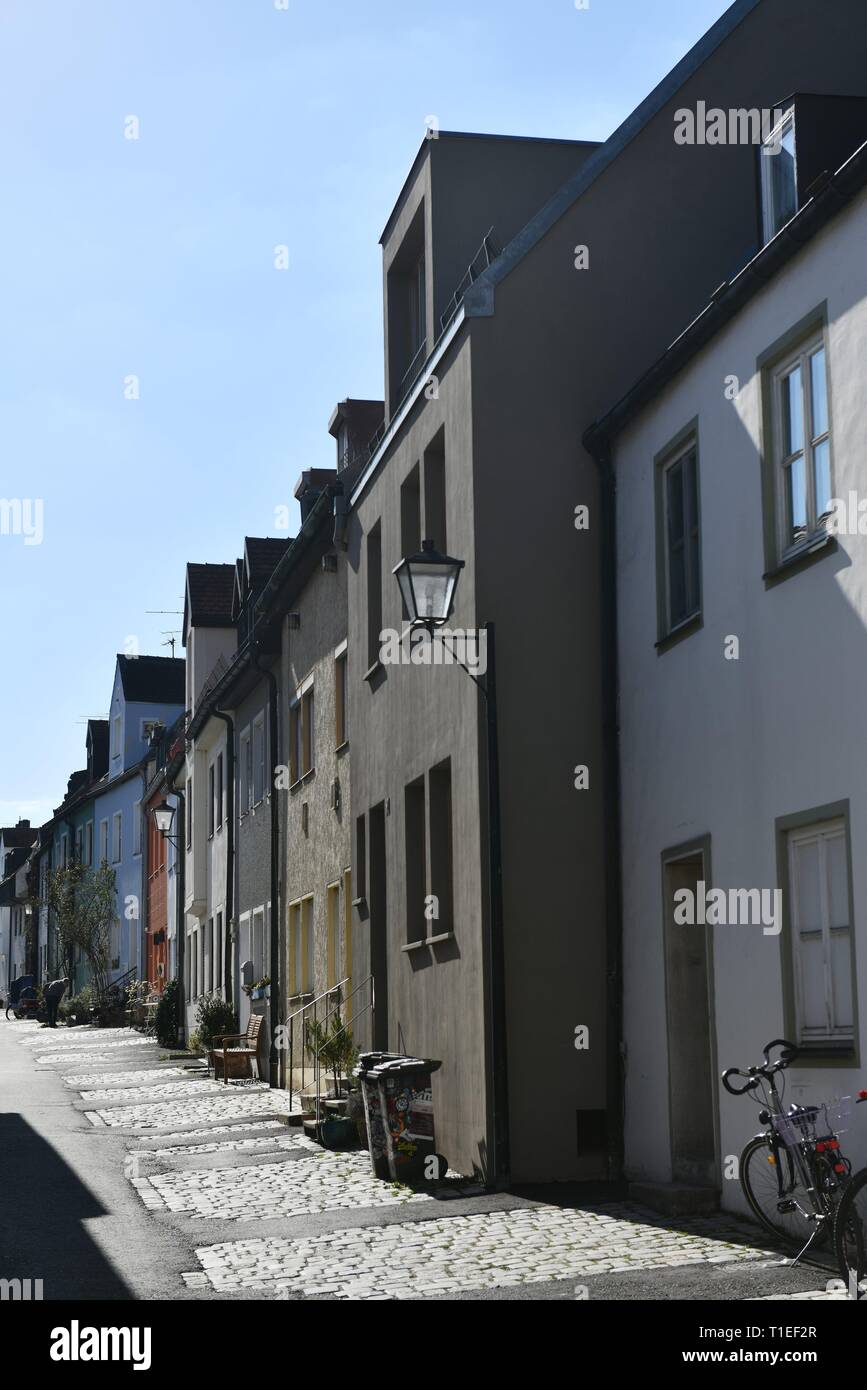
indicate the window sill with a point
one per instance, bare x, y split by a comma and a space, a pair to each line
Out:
817, 548
300, 781
373, 671
342, 747
677, 634
442, 936
414, 945
829, 1053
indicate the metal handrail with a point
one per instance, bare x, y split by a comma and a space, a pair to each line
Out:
317, 1073
290, 1023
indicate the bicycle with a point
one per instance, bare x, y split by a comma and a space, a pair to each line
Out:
794, 1173
850, 1230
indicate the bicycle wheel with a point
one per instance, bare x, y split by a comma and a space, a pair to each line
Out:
850, 1232
759, 1182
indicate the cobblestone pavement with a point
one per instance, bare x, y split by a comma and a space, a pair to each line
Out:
306, 1223
123, 1078
457, 1253
324, 1182
224, 1103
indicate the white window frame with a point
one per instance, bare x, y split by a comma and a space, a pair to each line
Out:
767, 170
103, 841
258, 759
117, 837
116, 735
800, 357
821, 833
690, 446
88, 843
244, 769
136, 827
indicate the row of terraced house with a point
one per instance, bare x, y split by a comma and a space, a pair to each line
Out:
624, 387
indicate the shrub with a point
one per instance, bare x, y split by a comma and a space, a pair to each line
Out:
214, 1017
79, 1004
194, 1043
166, 1020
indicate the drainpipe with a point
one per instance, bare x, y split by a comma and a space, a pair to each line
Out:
601, 453
274, 971
229, 932
180, 913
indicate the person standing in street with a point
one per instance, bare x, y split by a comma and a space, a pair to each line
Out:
53, 995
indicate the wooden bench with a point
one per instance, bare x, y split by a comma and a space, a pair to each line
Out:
231, 1052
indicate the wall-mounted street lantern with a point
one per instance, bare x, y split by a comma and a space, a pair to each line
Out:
164, 819
428, 582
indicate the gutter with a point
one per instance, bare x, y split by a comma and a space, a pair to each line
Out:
274, 925
611, 812
229, 933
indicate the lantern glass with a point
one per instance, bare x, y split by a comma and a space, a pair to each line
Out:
164, 816
427, 583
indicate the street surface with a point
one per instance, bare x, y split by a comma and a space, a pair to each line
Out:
130, 1175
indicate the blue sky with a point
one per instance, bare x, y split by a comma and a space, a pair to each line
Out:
154, 258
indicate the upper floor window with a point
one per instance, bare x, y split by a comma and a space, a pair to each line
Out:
679, 560
115, 736
219, 790
302, 741
779, 176
136, 828
116, 833
341, 725
245, 759
258, 759
801, 445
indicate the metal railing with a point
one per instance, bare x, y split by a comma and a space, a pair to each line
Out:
371, 1005
333, 999
485, 256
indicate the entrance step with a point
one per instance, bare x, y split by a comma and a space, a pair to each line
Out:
675, 1198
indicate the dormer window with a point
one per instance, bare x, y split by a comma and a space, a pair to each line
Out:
779, 176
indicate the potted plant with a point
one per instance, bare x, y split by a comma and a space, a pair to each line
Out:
337, 1052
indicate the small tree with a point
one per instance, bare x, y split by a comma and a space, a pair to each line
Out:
84, 903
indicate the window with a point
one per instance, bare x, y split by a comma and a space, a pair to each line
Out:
148, 727
211, 807
64, 850
258, 951
308, 740
302, 733
218, 951
779, 181
416, 860
115, 736
417, 308
79, 844
435, 493
88, 843
410, 519
347, 942
258, 759
136, 828
361, 857
219, 790
332, 927
802, 446
679, 568
441, 874
246, 771
189, 811
103, 841
374, 593
301, 946
822, 933
207, 938
116, 833
341, 729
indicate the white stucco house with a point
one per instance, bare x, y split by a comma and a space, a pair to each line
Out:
742, 671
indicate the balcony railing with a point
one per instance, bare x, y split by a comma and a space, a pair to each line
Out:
485, 256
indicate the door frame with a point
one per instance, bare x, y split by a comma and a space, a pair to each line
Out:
700, 847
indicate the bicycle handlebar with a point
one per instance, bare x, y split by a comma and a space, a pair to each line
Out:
753, 1076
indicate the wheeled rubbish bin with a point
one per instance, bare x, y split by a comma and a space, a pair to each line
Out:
398, 1107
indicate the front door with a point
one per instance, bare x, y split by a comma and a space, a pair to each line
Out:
691, 1052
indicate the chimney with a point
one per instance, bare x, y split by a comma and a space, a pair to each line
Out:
310, 486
